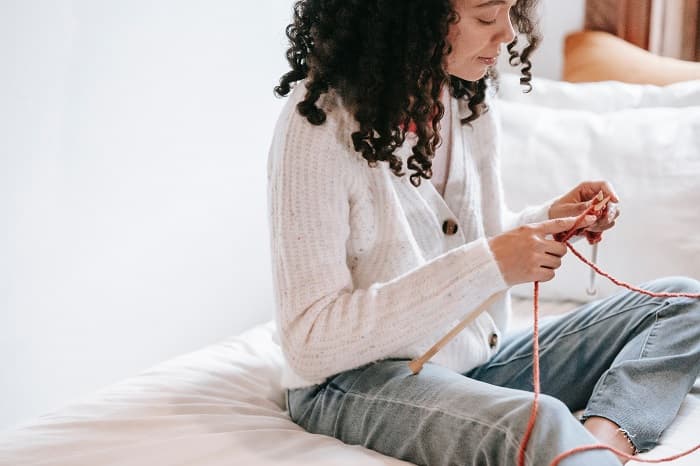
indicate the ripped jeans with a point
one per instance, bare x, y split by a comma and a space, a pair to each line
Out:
629, 358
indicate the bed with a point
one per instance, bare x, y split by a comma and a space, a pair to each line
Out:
223, 404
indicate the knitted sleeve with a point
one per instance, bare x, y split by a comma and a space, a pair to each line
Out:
530, 214
327, 325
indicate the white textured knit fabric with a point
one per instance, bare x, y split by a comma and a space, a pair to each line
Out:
362, 270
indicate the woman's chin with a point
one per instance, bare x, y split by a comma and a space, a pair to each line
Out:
471, 74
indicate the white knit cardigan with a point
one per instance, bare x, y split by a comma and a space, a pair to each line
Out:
362, 269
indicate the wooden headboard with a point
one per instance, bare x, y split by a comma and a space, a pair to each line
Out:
629, 20
665, 27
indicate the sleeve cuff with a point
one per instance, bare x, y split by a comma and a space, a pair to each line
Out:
535, 214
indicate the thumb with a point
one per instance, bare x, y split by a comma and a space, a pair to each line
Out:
559, 225
573, 209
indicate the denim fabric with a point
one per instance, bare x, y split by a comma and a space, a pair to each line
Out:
629, 358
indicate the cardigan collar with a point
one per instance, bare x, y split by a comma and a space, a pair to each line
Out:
451, 205
455, 183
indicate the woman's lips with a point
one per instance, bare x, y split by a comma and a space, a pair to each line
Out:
489, 61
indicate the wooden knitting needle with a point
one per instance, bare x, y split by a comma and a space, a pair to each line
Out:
591, 290
417, 364
602, 202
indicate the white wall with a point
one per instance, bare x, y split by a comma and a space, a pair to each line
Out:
558, 18
134, 143
133, 148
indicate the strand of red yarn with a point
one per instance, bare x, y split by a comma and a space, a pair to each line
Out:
627, 285
592, 238
535, 378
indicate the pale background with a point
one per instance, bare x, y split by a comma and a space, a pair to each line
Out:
133, 148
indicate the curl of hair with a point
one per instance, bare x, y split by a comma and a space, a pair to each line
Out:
522, 16
386, 59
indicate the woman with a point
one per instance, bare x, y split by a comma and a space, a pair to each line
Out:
371, 267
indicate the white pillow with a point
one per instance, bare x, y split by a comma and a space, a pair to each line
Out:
652, 158
599, 97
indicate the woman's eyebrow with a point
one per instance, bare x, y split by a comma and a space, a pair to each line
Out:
491, 3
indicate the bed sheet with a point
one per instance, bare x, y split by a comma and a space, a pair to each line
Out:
221, 405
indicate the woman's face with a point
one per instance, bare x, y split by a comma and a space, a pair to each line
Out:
483, 26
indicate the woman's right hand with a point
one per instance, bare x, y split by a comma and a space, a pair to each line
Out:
525, 254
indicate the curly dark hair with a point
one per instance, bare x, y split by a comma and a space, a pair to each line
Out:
386, 60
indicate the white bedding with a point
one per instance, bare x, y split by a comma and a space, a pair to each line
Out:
221, 405
644, 140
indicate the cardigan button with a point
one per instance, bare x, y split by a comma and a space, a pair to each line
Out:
449, 227
493, 340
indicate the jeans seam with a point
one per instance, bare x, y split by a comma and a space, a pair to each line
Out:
498, 427
642, 353
544, 348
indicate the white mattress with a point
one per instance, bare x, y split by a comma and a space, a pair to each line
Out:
221, 405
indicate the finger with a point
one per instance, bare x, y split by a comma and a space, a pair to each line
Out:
544, 274
554, 248
593, 187
613, 212
597, 229
573, 209
559, 225
550, 262
606, 222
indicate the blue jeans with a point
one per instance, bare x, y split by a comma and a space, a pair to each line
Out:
629, 358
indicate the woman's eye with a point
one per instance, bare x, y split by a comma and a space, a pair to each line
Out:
482, 21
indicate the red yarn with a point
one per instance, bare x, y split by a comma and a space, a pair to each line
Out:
535, 380
593, 237
627, 285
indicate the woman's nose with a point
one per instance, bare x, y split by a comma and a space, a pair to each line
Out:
507, 33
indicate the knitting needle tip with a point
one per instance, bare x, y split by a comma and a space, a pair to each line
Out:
591, 290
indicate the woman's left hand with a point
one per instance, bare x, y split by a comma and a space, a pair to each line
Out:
576, 201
